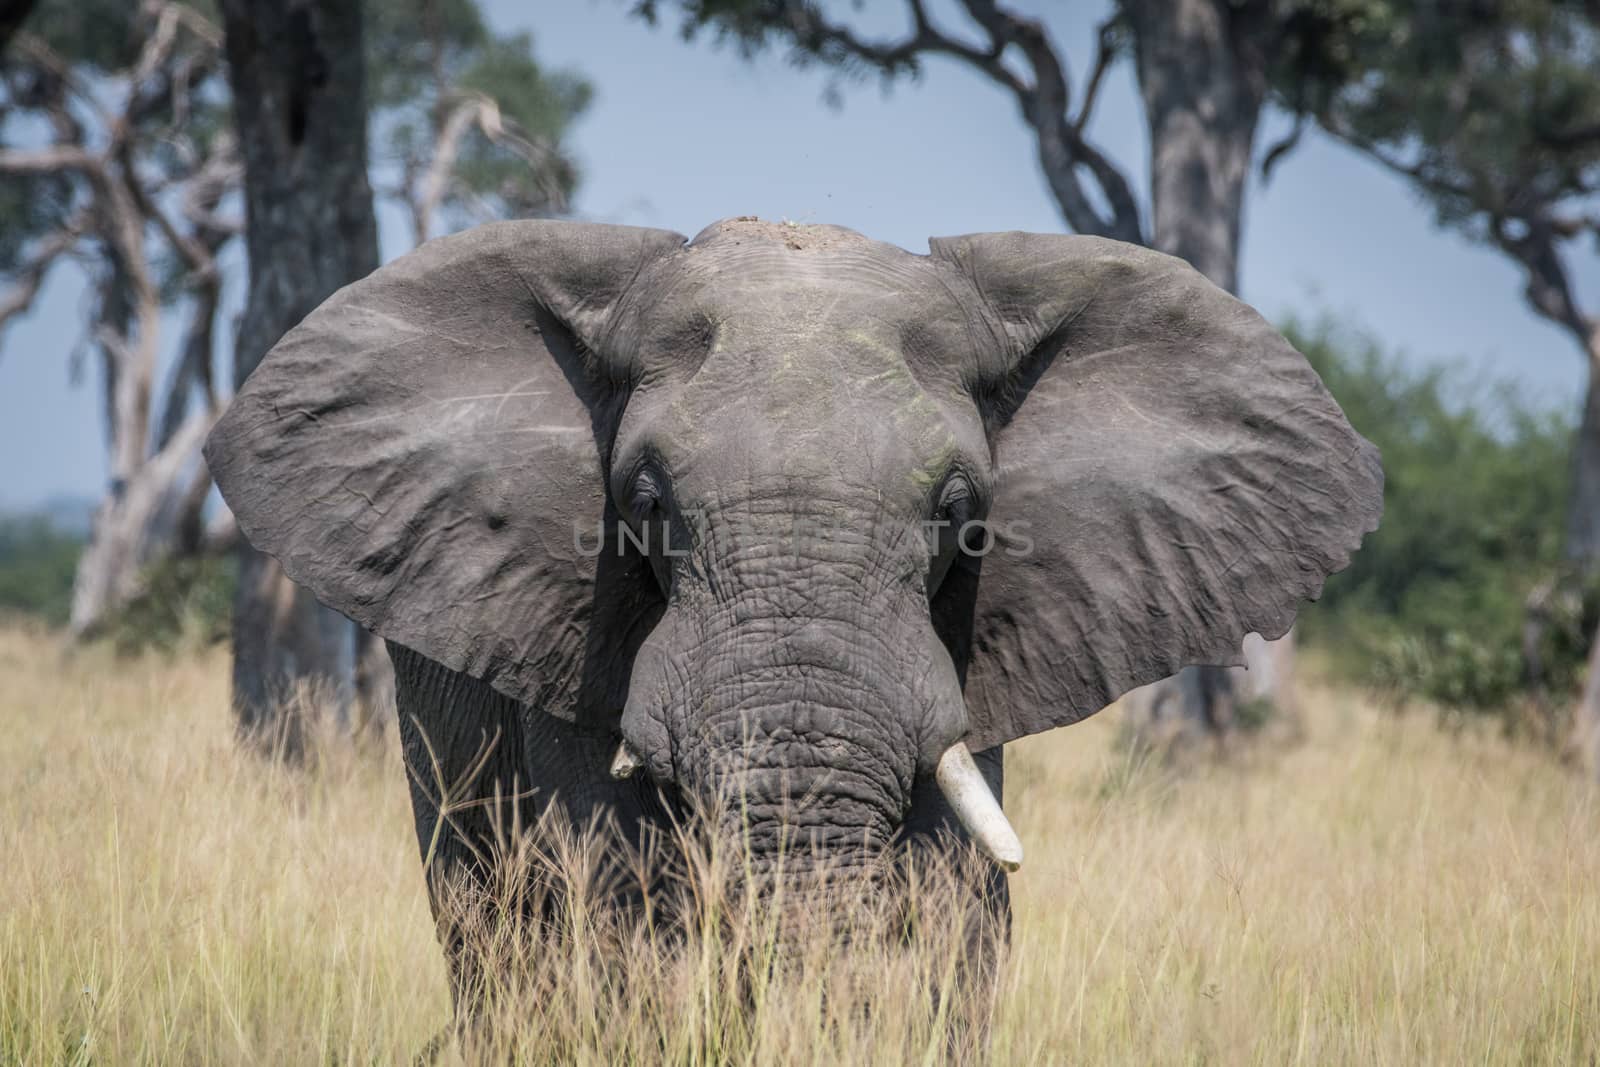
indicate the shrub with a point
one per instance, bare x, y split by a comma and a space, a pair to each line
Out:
1477, 479
182, 604
37, 562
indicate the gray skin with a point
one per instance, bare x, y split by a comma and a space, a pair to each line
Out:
433, 451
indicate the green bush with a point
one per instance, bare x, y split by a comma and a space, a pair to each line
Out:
1477, 479
182, 604
37, 562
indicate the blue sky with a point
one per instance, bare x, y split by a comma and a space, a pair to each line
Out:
681, 135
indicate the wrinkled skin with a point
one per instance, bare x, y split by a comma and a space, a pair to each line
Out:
756, 424
449, 722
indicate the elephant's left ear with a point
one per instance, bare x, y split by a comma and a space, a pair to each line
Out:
1170, 475
427, 453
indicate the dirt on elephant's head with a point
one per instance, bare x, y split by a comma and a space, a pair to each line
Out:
796, 236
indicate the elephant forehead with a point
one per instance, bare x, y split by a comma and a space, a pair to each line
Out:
749, 264
804, 367
836, 404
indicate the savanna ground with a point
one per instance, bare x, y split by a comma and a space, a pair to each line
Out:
1379, 891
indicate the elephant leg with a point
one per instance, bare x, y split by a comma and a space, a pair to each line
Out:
463, 750
484, 769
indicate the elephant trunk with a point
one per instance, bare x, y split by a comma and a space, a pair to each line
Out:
804, 731
803, 751
798, 684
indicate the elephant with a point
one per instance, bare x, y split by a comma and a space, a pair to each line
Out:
785, 510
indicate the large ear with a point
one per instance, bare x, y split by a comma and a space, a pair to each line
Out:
426, 453
1170, 475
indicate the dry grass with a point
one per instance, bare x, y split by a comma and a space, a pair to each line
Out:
1382, 892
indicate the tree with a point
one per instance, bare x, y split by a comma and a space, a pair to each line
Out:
1205, 68
118, 149
37, 561
1433, 607
1492, 114
471, 122
472, 125
297, 74
117, 158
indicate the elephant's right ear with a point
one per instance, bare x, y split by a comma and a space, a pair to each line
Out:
426, 453
1170, 475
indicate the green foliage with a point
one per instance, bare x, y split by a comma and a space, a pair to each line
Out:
175, 115
1493, 110
31, 205
184, 604
405, 39
753, 26
1434, 604
37, 562
426, 56
98, 34
542, 105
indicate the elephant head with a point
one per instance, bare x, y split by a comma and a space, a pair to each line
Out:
795, 511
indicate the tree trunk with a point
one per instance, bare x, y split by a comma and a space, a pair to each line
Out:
375, 686
1203, 81
299, 101
1202, 74
1583, 516
1583, 547
1586, 719
153, 514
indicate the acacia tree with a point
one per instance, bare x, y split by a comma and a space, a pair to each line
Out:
472, 126
469, 123
298, 78
1492, 114
1205, 69
116, 159
118, 148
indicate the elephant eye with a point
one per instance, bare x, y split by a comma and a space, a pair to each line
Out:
645, 506
957, 502
645, 495
955, 507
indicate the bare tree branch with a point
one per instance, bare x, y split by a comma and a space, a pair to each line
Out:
446, 147
1288, 143
194, 362
198, 250
1064, 153
32, 274
1530, 236
63, 78
1415, 172
158, 45
205, 280
51, 160
1549, 288
1573, 138
1105, 53
197, 24
474, 110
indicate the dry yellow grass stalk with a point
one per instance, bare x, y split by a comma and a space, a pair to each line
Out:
1382, 892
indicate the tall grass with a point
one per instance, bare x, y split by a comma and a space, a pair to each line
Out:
1379, 892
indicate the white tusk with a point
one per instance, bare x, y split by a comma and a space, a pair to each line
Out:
969, 797
626, 762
